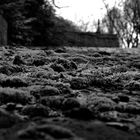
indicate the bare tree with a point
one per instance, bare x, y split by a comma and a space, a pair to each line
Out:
125, 22
83, 25
132, 14
54, 3
110, 19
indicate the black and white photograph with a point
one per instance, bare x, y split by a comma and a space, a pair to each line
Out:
69, 69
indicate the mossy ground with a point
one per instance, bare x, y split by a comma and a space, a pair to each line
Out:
70, 93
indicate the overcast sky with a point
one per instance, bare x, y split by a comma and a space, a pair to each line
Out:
87, 10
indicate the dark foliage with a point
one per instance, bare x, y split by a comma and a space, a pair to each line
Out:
33, 22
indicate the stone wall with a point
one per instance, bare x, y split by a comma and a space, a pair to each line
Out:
89, 39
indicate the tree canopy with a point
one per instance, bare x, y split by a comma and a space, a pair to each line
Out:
32, 22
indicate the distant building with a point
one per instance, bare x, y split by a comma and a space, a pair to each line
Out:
3, 30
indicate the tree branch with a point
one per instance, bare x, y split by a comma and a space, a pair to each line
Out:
53, 1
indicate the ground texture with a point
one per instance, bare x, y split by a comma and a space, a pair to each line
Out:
69, 94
